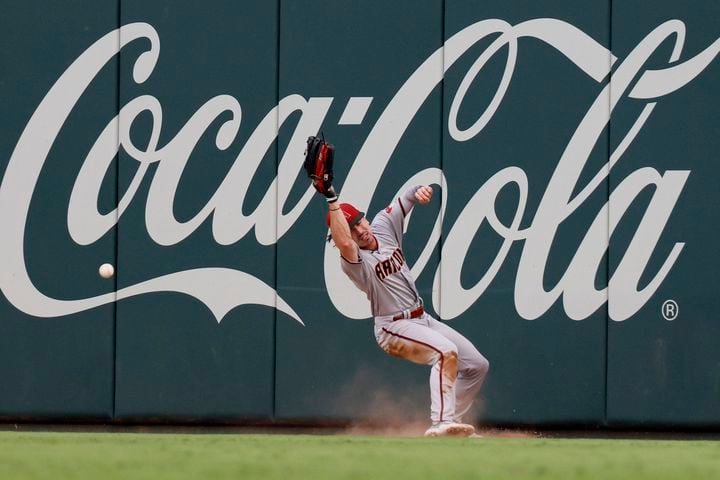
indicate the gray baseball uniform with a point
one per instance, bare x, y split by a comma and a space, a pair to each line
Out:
458, 369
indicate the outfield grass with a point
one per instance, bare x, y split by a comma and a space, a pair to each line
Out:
285, 457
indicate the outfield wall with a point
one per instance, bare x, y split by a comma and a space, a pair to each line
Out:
572, 145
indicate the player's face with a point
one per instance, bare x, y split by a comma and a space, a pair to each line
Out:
362, 234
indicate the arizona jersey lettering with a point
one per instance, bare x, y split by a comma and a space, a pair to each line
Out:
391, 265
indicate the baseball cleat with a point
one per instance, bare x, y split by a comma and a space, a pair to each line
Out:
450, 429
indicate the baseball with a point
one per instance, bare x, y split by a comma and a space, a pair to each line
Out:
106, 270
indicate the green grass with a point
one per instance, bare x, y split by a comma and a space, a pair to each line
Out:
202, 456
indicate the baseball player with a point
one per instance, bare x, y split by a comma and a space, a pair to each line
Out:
371, 256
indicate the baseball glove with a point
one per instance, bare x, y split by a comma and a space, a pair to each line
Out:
319, 156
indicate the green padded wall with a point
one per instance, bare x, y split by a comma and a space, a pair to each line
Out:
175, 358
56, 360
667, 372
549, 369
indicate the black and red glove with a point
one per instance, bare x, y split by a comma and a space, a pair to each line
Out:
319, 156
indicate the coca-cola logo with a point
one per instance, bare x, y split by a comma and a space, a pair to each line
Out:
229, 224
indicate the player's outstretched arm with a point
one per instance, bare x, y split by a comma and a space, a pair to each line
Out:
319, 159
340, 231
395, 213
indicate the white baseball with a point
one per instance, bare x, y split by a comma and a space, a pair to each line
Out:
106, 270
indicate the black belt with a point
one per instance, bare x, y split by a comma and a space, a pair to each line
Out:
410, 313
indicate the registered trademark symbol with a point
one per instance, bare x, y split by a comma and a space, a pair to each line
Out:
670, 310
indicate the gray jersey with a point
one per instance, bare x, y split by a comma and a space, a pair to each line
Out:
383, 274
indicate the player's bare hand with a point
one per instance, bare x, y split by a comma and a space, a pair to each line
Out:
424, 194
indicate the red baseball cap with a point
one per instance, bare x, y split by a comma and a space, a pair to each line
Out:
352, 215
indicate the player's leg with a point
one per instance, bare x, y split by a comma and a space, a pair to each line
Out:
472, 368
419, 344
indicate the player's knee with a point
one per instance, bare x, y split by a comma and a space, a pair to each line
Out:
484, 366
479, 365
